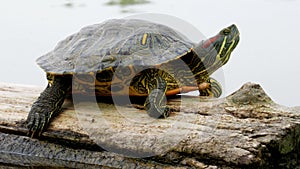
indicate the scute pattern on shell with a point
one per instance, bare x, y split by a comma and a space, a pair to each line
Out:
117, 42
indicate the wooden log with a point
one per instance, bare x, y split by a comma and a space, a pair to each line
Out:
244, 130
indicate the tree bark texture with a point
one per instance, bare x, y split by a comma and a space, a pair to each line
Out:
243, 130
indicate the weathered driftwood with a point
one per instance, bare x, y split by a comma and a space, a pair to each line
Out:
244, 130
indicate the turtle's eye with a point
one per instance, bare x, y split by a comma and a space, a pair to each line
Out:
226, 31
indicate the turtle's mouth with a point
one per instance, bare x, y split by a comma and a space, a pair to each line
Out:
236, 38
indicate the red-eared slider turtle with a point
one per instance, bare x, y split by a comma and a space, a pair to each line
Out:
133, 57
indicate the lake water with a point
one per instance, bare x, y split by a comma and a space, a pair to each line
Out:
268, 52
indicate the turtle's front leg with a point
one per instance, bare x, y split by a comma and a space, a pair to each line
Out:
155, 103
47, 105
211, 88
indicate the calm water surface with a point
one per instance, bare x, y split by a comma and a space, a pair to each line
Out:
268, 52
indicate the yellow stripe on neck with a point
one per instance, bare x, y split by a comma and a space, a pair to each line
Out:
222, 47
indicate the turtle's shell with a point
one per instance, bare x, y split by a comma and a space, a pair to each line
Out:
117, 42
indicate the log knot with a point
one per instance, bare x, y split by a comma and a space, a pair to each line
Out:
249, 93
250, 101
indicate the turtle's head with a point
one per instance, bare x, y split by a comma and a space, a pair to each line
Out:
215, 52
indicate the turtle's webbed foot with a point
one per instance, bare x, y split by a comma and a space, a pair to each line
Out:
38, 119
154, 109
210, 88
155, 103
47, 105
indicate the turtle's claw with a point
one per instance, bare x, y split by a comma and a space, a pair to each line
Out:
38, 118
158, 112
35, 122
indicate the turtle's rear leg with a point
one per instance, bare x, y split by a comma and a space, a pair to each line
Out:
47, 105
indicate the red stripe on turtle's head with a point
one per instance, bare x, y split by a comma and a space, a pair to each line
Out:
210, 41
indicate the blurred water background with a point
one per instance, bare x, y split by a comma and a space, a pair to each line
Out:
268, 52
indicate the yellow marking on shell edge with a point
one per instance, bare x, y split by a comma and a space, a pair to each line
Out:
91, 73
144, 39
